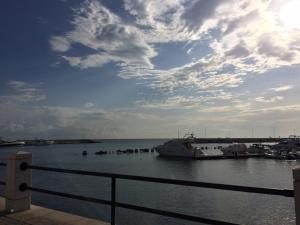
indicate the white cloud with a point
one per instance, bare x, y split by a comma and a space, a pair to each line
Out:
59, 44
250, 40
23, 92
89, 105
282, 88
270, 100
71, 122
198, 12
186, 102
100, 30
161, 19
95, 60
243, 37
24, 121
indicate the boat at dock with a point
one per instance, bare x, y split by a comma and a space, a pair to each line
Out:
181, 147
187, 148
286, 149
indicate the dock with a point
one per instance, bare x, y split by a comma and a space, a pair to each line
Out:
37, 215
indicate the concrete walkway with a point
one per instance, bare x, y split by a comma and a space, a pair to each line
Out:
43, 216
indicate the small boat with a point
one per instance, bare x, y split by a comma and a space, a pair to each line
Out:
144, 150
101, 152
129, 151
84, 153
285, 155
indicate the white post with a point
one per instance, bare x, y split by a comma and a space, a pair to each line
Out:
17, 200
296, 176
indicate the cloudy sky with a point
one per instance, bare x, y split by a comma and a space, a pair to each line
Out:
144, 69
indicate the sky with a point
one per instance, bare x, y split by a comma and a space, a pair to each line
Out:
148, 69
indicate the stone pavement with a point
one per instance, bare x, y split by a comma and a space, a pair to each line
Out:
43, 216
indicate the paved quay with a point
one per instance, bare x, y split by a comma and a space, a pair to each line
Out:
42, 216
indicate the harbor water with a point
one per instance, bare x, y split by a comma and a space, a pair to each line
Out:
236, 207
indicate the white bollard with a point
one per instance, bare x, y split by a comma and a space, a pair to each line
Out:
17, 200
296, 176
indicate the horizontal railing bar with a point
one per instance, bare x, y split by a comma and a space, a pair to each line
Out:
258, 190
71, 171
173, 214
72, 196
2, 164
132, 207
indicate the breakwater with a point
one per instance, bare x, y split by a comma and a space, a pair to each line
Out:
239, 140
76, 141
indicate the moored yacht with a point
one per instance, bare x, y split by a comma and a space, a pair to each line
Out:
186, 148
181, 147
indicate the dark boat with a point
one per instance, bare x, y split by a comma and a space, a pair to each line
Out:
287, 149
11, 143
101, 152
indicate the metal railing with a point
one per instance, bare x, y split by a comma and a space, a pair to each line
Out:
114, 203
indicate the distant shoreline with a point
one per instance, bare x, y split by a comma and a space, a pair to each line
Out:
197, 140
65, 141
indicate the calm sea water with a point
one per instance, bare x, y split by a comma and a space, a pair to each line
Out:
242, 208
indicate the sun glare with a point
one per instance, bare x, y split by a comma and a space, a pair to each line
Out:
290, 14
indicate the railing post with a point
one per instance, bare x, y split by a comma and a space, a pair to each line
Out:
113, 200
18, 178
296, 176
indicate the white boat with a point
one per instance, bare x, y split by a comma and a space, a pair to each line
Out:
183, 147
